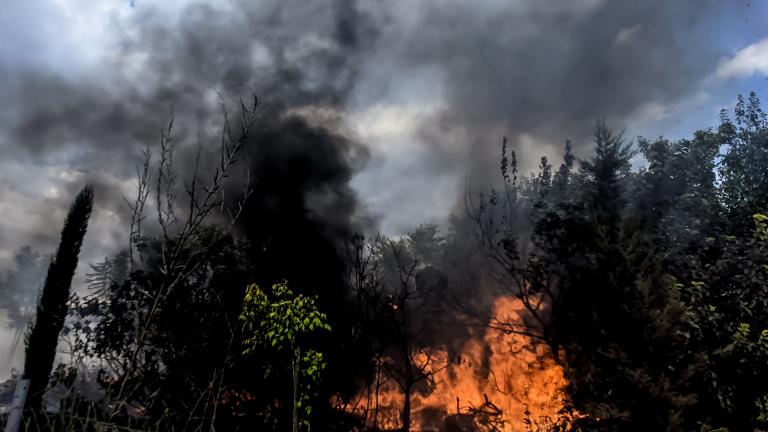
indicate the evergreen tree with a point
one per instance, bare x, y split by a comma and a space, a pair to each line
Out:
614, 314
52, 307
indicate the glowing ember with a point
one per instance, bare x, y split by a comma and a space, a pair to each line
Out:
500, 382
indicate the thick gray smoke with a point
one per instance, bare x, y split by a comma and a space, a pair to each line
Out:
300, 58
537, 72
549, 71
291, 54
429, 86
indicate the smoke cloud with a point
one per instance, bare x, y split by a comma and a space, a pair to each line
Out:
429, 87
299, 58
537, 72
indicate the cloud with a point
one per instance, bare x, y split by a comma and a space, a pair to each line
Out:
749, 61
625, 34
650, 111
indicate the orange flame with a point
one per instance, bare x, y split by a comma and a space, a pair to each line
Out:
501, 382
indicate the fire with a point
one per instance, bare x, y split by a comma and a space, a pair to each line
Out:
500, 382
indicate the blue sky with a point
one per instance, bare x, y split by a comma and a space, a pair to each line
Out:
738, 25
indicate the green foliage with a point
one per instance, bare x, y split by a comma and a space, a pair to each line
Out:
190, 359
744, 188
761, 227
281, 320
654, 283
284, 322
617, 317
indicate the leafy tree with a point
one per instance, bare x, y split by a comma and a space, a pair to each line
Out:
284, 322
615, 314
129, 324
52, 307
744, 165
19, 290
596, 288
649, 286
729, 310
189, 361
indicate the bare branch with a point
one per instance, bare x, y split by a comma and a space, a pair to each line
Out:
182, 252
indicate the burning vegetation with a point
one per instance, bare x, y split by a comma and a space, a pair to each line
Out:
497, 380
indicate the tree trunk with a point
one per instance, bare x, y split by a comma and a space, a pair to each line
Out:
378, 389
17, 333
295, 369
406, 414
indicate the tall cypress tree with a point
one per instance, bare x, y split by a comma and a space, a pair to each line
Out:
52, 306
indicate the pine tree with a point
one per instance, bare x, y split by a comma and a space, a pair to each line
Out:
52, 307
615, 315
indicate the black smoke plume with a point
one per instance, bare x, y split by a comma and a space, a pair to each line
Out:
293, 55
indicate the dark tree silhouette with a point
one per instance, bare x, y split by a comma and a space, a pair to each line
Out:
52, 307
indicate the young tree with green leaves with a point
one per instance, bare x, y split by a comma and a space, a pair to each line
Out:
281, 321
